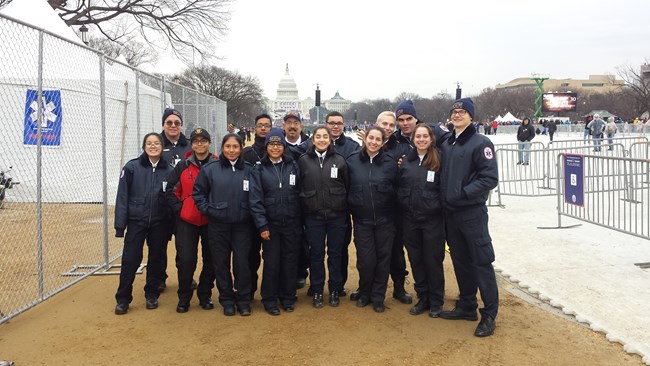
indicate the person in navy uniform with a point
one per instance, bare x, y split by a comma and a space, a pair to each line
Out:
191, 224
324, 183
469, 172
345, 146
253, 155
371, 199
275, 206
175, 147
422, 220
296, 144
141, 211
221, 193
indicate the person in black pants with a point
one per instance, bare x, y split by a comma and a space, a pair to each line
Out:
469, 172
344, 146
323, 191
175, 147
253, 155
422, 220
191, 224
371, 199
275, 206
296, 145
221, 193
141, 210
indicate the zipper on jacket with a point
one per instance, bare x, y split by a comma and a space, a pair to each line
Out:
153, 184
372, 201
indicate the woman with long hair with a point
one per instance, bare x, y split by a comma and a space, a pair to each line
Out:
421, 211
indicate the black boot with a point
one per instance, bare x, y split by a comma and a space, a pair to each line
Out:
400, 293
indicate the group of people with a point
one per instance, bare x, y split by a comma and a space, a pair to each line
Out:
296, 199
597, 128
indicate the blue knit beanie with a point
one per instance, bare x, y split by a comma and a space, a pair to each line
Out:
406, 107
275, 135
464, 103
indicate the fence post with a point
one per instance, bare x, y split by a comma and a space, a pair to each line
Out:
102, 102
137, 109
39, 168
162, 94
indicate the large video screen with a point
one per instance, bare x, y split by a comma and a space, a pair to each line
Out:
559, 102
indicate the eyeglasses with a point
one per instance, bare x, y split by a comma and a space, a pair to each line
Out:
152, 144
275, 145
338, 124
174, 123
460, 112
263, 125
200, 142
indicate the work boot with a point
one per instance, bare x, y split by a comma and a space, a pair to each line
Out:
400, 293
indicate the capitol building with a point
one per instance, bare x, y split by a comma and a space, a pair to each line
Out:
287, 100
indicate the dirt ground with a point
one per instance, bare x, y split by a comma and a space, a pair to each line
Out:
78, 327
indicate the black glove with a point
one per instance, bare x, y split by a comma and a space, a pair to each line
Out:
119, 233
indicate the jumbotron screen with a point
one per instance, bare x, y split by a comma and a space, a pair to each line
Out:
559, 102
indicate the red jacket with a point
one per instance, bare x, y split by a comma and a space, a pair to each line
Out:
180, 184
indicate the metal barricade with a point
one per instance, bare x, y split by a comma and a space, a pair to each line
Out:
616, 194
538, 177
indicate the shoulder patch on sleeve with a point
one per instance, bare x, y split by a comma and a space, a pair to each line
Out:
489, 154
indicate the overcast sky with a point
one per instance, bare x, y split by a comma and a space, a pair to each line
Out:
375, 49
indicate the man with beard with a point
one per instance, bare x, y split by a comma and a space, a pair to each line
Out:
253, 154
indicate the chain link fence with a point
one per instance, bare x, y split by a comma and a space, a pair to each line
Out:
73, 118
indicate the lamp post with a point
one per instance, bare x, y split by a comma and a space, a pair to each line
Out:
84, 34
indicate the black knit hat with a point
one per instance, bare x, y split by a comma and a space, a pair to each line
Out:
168, 112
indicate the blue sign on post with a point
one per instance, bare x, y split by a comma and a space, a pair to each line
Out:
574, 177
52, 118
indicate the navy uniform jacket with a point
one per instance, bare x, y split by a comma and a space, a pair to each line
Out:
254, 153
323, 196
373, 187
469, 170
397, 145
274, 195
221, 191
140, 198
173, 154
419, 189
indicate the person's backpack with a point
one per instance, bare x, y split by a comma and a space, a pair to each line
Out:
611, 128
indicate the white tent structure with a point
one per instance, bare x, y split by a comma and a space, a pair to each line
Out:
509, 118
72, 171
499, 118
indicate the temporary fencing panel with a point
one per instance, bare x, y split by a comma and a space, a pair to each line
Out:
73, 118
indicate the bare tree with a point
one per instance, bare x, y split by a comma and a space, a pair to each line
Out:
243, 93
184, 27
134, 52
637, 87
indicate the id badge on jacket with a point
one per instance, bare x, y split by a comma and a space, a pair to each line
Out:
245, 185
334, 172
